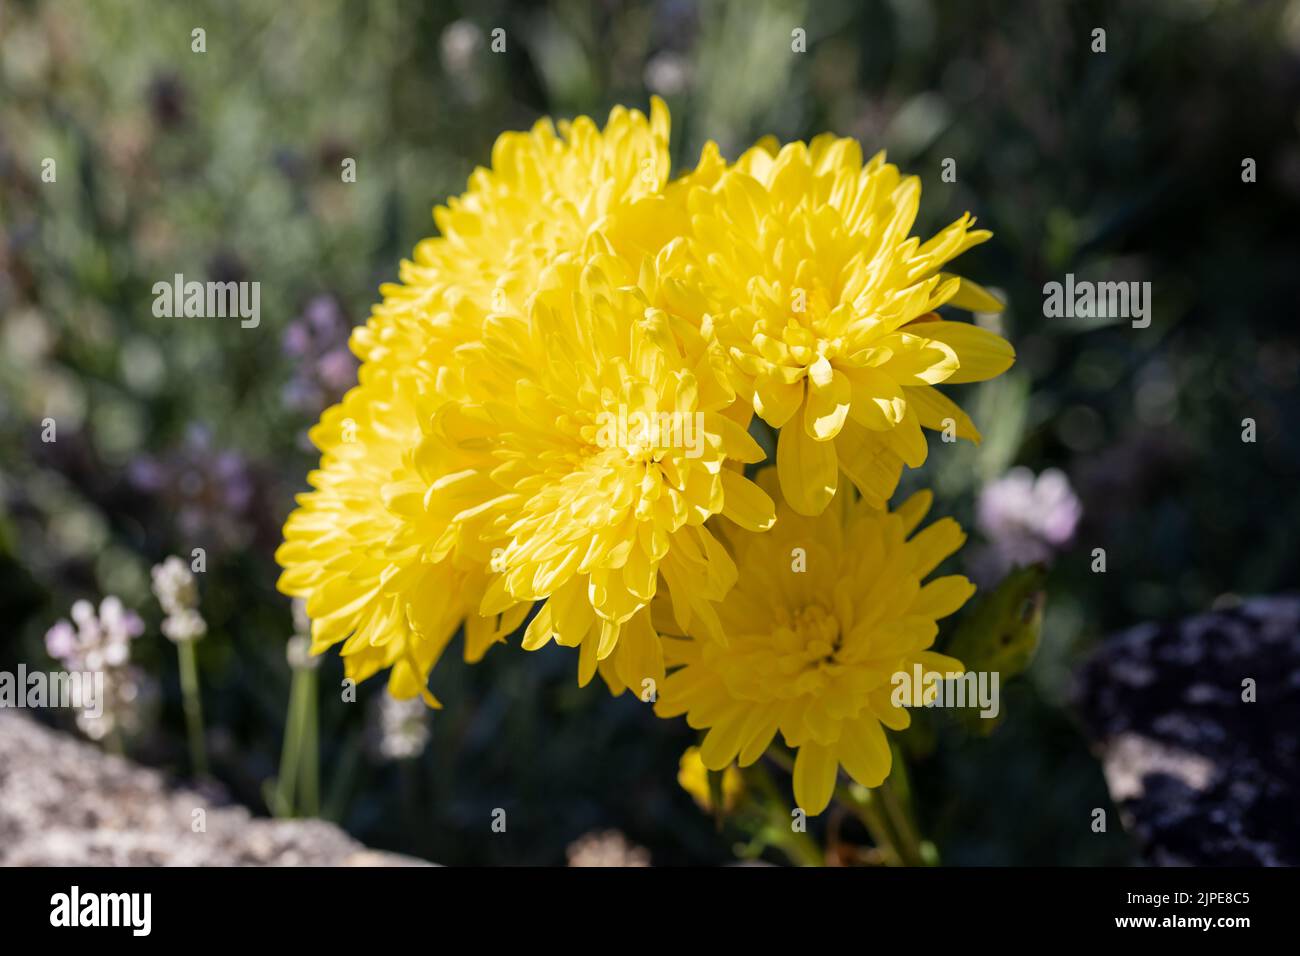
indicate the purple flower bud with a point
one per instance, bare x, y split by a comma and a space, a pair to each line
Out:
61, 641
297, 340
337, 369
324, 315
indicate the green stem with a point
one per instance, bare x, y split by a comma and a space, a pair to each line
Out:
861, 803
288, 777
909, 842
297, 789
193, 707
309, 783
901, 783
341, 783
800, 847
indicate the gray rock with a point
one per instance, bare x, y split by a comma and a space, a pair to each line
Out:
64, 802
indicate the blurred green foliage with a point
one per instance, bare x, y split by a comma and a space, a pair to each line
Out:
177, 434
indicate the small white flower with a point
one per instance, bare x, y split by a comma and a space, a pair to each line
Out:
459, 43
403, 727
173, 583
116, 654
178, 593
118, 625
667, 73
184, 625
83, 612
298, 652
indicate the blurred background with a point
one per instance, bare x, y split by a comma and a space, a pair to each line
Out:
174, 434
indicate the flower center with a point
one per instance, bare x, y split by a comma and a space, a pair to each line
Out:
812, 634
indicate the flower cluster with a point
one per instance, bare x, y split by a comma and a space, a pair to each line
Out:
94, 640
178, 594
555, 412
99, 641
1028, 518
324, 368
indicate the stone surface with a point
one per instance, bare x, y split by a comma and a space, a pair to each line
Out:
1201, 776
64, 802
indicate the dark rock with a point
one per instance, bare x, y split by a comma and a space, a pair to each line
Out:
1202, 776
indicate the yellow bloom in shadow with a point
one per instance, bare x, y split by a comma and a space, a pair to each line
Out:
825, 612
693, 777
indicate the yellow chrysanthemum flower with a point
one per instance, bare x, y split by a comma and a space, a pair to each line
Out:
343, 551
825, 306
547, 190
372, 579
592, 450
812, 652
693, 777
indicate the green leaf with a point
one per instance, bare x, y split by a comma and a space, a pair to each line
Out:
1001, 634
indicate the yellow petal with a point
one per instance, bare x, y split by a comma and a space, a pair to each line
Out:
878, 402
587, 658
872, 465
914, 509
776, 401
982, 354
828, 404
639, 656
737, 443
973, 297
864, 751
933, 544
815, 768
723, 741
938, 412
919, 359
745, 503
539, 628
808, 470
942, 596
